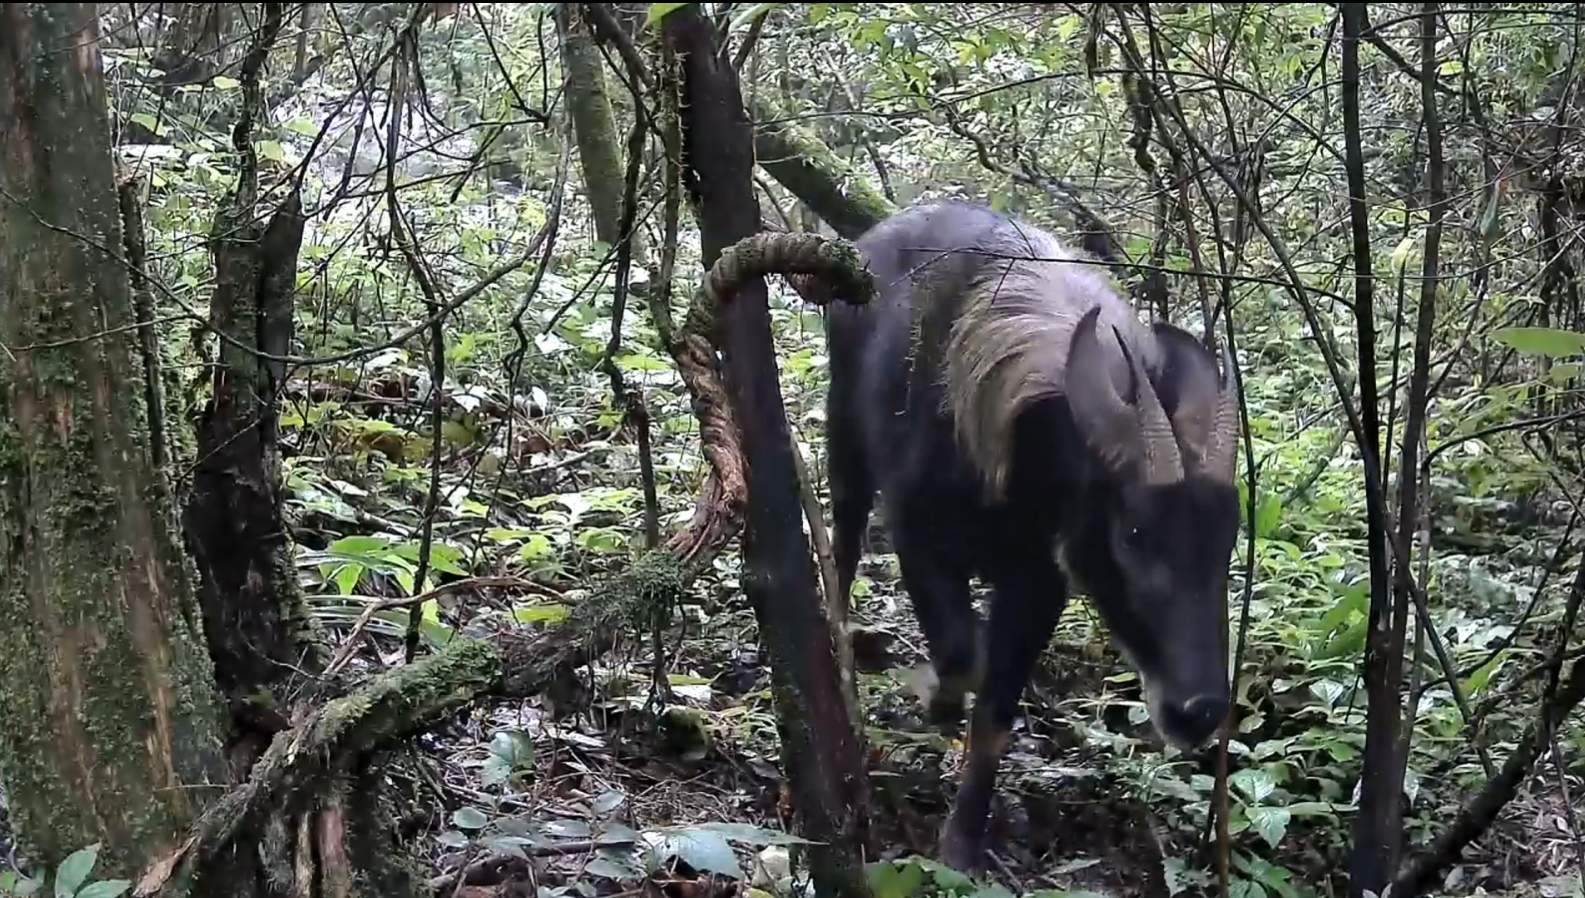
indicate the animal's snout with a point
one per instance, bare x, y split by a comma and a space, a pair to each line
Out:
1193, 721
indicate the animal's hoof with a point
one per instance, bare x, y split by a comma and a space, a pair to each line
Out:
962, 853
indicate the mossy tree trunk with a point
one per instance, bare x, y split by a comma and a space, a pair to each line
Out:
114, 722
821, 748
594, 125
802, 163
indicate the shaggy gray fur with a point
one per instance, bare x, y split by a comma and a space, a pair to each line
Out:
1010, 347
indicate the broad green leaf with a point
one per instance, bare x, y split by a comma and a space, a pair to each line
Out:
105, 888
752, 835
358, 545
147, 121
1268, 514
347, 578
73, 872
224, 82
272, 150
512, 845
1255, 783
1477, 680
899, 880
607, 801
538, 614
510, 751
702, 850
452, 838
1270, 822
658, 11
469, 818
611, 868
1547, 341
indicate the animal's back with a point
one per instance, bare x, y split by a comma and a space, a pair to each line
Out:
927, 262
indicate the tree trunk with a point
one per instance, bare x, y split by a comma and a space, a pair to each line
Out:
599, 152
1378, 829
803, 164
821, 750
108, 687
254, 618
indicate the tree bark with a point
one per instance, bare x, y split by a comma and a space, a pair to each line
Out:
1378, 828
115, 717
822, 751
589, 104
254, 618
803, 164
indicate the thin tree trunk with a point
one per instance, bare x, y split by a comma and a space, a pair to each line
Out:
254, 617
1377, 829
589, 104
822, 751
115, 718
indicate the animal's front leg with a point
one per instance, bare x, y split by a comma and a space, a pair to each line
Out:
1031, 592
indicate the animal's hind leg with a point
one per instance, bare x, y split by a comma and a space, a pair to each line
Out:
938, 586
1031, 591
852, 500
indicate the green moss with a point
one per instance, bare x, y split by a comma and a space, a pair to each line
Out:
94, 652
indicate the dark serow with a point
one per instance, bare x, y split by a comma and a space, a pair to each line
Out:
1022, 425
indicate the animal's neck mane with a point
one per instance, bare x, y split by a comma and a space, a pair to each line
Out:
1007, 347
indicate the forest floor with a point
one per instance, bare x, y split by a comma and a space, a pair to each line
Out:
1074, 812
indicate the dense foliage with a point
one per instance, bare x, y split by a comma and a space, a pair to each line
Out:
1211, 142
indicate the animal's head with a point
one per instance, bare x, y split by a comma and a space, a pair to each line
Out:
1165, 533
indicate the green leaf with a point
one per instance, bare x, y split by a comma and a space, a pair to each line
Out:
272, 150
1311, 809
1477, 680
536, 614
470, 818
658, 11
358, 545
752, 835
1271, 823
224, 82
900, 880
510, 751
702, 850
1547, 341
1268, 514
13, 883
607, 801
751, 11
147, 121
73, 872
347, 578
1255, 784
105, 888
611, 868
452, 839
512, 845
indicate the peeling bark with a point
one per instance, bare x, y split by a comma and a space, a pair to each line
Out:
115, 717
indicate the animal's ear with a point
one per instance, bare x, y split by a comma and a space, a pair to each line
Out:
1200, 400
1115, 407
